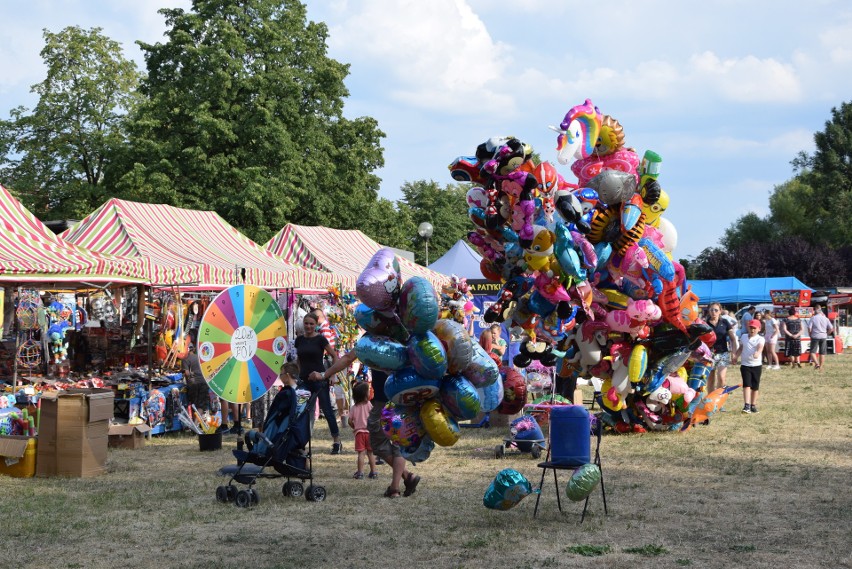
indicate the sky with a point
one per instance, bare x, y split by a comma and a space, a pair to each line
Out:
727, 92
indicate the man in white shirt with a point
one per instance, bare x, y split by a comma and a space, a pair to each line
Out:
751, 348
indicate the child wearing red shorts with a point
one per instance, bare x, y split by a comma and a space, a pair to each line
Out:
358, 415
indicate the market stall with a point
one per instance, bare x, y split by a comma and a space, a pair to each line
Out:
343, 253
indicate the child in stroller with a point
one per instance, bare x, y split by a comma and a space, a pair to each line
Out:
281, 445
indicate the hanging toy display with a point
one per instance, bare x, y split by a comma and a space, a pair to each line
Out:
587, 266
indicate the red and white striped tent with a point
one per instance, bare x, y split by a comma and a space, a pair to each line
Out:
342, 252
30, 252
196, 249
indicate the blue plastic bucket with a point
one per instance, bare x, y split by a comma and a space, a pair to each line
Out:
570, 442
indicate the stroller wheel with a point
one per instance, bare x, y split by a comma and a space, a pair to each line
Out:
231, 492
221, 494
255, 497
315, 493
293, 489
243, 499
498, 451
535, 451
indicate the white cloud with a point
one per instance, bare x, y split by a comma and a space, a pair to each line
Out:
747, 79
435, 55
835, 42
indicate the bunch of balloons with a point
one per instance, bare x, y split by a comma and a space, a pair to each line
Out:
438, 374
587, 267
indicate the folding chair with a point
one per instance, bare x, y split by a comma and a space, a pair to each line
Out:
573, 462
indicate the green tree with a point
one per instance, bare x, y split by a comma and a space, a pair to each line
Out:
243, 114
445, 208
830, 176
747, 229
55, 158
389, 224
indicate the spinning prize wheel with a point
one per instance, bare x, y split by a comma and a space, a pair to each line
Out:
241, 343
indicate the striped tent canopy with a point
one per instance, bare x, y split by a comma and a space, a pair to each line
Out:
30, 252
342, 252
188, 247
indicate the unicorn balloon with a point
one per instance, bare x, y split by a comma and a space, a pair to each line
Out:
578, 133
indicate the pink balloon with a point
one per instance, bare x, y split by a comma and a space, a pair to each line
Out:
378, 285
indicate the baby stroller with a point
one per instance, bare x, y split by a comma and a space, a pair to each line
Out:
282, 449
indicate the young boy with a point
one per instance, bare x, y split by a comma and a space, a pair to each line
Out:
751, 348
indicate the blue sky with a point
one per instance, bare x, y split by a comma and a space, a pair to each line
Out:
727, 92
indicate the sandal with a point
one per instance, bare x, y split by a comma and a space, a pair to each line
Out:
410, 484
391, 493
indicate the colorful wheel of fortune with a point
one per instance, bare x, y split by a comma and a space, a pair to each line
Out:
242, 342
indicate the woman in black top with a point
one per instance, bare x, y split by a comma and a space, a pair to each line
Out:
721, 353
310, 348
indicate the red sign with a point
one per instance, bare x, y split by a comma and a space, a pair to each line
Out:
790, 297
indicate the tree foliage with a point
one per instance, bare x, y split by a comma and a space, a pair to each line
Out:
445, 208
814, 265
243, 114
55, 158
808, 232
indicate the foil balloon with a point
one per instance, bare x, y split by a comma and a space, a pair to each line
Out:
483, 370
442, 428
614, 186
419, 452
584, 480
407, 387
401, 424
460, 397
514, 392
507, 490
380, 324
418, 305
381, 353
379, 283
669, 232
456, 342
427, 355
490, 396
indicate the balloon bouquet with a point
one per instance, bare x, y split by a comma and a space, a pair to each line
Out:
587, 268
438, 374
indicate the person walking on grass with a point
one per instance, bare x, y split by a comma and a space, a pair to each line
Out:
358, 416
772, 333
820, 327
791, 327
751, 349
381, 445
310, 349
721, 351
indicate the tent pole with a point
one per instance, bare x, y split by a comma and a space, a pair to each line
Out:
17, 344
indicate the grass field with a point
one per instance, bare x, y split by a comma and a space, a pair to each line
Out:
761, 491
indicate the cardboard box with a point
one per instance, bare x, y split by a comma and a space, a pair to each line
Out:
127, 436
17, 456
73, 434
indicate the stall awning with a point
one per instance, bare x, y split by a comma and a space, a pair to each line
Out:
341, 252
188, 246
739, 291
30, 252
461, 260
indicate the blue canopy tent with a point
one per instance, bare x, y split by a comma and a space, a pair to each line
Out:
461, 260
741, 291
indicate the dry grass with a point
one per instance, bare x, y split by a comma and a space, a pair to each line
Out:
760, 491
